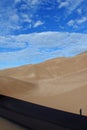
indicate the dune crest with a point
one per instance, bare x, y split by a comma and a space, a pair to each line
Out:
59, 83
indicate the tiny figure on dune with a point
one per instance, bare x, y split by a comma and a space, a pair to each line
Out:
80, 111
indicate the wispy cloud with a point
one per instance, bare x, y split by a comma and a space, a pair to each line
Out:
63, 4
71, 23
71, 5
18, 16
27, 18
37, 47
38, 23
76, 22
13, 16
10, 19
82, 20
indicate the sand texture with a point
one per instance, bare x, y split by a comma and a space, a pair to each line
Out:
59, 83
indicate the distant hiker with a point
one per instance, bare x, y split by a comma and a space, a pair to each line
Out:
80, 111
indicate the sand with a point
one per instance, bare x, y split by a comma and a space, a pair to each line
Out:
7, 125
59, 83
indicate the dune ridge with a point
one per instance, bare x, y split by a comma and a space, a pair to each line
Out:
59, 83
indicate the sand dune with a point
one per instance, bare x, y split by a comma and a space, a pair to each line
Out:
60, 83
49, 69
16, 88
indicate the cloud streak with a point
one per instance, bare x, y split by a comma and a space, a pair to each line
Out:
76, 22
38, 23
38, 47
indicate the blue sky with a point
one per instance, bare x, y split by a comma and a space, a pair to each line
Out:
32, 31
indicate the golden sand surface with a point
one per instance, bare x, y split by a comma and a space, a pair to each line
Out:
59, 83
49, 83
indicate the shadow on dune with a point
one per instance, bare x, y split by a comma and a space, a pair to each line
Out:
36, 117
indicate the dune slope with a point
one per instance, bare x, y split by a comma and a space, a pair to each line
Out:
60, 83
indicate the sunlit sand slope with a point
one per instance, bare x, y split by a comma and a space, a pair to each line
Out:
60, 83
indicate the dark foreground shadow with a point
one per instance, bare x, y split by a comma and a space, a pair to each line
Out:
36, 117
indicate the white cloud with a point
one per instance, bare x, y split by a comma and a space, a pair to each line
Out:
10, 42
71, 22
63, 4
15, 27
75, 23
74, 4
11, 18
37, 47
26, 18
71, 5
38, 23
82, 20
